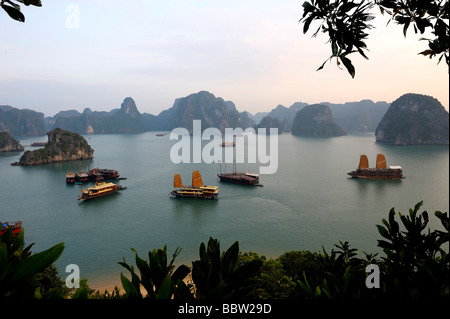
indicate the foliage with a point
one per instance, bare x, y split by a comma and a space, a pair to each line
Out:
222, 277
416, 264
13, 9
18, 266
50, 285
158, 278
345, 23
341, 275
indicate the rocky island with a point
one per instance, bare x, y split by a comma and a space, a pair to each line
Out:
316, 120
9, 143
62, 146
414, 119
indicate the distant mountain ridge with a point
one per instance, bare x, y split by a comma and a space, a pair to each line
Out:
213, 111
362, 116
21, 122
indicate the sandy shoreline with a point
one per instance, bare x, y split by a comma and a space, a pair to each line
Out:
110, 285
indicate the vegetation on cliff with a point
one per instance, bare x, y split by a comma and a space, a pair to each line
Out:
316, 120
62, 146
9, 143
414, 119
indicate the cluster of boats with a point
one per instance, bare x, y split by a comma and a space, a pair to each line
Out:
198, 190
93, 175
97, 175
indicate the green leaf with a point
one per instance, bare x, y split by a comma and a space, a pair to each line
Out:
383, 232
165, 289
36, 3
348, 65
127, 285
35, 263
14, 13
181, 273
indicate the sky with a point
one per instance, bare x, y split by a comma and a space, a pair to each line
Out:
77, 54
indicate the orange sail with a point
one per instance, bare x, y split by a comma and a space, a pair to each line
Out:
363, 162
177, 181
197, 179
381, 161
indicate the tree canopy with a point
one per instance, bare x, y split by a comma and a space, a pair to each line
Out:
13, 8
346, 24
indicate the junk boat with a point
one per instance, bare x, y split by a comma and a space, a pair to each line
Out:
39, 144
70, 178
379, 172
103, 174
196, 190
241, 178
93, 175
15, 226
99, 190
81, 177
225, 144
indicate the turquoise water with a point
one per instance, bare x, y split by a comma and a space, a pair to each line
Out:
309, 203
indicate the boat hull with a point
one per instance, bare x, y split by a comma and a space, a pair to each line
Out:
204, 192
179, 194
241, 179
92, 193
381, 174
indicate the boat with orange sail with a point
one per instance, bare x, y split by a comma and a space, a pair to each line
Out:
196, 190
381, 171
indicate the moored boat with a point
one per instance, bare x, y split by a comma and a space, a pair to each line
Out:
196, 190
97, 174
99, 190
70, 178
241, 178
224, 144
381, 171
38, 144
15, 226
81, 177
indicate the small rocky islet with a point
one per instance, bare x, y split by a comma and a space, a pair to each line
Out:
62, 146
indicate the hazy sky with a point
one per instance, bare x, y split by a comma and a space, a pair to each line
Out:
77, 54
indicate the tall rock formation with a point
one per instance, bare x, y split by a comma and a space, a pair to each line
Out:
9, 143
212, 111
414, 119
21, 122
61, 146
316, 120
127, 119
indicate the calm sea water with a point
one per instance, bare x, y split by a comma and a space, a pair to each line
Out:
309, 203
